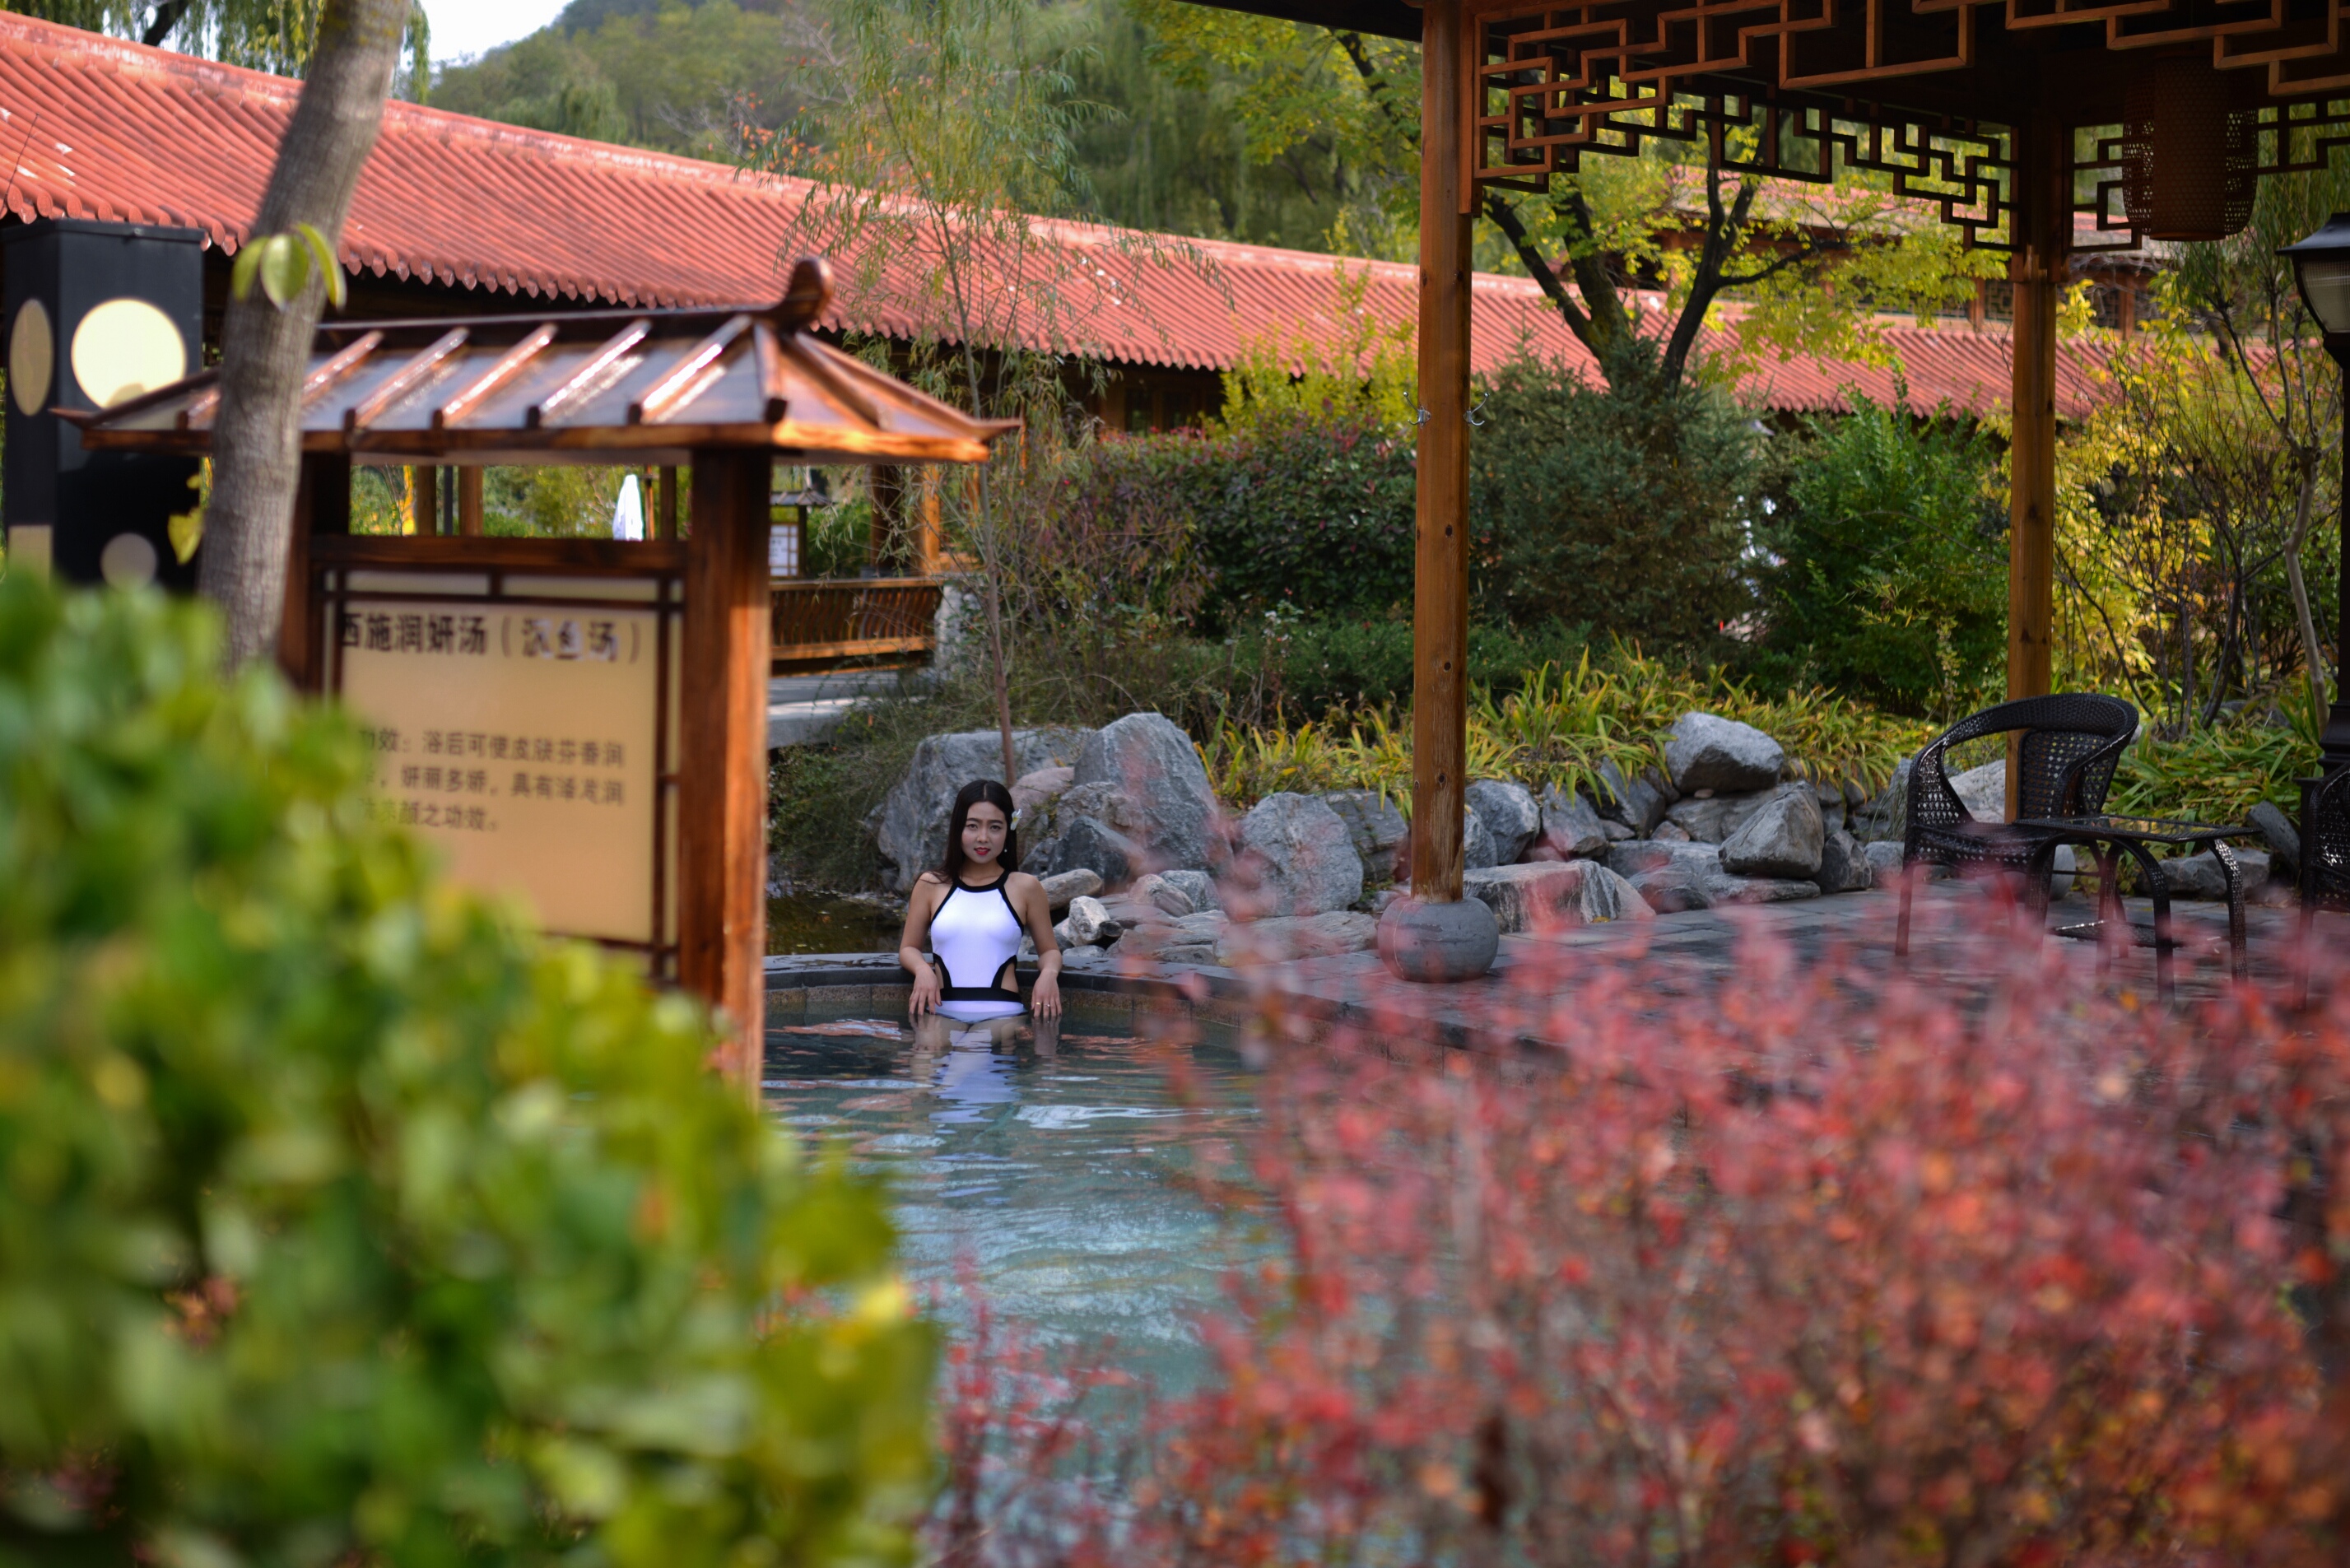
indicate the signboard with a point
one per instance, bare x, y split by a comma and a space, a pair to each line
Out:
522, 733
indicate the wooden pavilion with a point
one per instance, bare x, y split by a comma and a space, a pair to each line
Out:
2151, 118
580, 723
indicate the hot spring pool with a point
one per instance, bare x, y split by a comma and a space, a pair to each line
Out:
1050, 1165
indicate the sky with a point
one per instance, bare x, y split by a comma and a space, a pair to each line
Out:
463, 27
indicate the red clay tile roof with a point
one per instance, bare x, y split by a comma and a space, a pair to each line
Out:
113, 130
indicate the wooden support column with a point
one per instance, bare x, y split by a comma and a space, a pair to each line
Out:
2042, 221
322, 504
722, 765
1439, 708
468, 503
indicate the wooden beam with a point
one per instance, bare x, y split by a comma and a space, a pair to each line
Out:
1440, 709
468, 503
2043, 222
722, 765
322, 505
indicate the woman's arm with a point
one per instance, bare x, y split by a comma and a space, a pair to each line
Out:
1036, 912
920, 905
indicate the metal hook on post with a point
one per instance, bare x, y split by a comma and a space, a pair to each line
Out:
1472, 415
1423, 418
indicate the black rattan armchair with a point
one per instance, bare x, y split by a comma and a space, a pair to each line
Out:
2324, 844
2071, 743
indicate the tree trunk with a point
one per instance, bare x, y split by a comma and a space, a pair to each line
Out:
2312, 655
264, 350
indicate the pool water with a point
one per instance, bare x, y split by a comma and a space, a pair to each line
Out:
822, 923
1048, 1165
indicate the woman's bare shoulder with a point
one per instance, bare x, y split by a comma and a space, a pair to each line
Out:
929, 879
1019, 884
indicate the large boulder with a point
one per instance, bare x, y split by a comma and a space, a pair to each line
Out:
1570, 830
1192, 938
1149, 759
1297, 937
1094, 828
1984, 791
2278, 833
1196, 886
1543, 896
910, 823
1844, 867
1030, 791
2198, 877
1885, 815
1713, 818
1510, 815
1304, 861
1068, 885
1376, 826
1668, 876
1637, 803
1782, 840
1730, 889
1709, 751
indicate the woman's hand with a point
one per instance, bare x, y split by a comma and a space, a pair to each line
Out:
1045, 996
926, 989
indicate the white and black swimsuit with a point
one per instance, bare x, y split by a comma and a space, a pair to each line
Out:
976, 932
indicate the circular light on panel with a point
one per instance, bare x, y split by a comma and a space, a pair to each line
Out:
32, 357
125, 347
129, 561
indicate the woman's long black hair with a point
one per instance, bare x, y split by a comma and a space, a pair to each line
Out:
970, 795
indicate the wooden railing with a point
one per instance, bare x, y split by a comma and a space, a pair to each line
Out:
853, 618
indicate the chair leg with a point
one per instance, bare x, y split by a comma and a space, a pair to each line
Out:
2237, 965
2157, 887
1901, 925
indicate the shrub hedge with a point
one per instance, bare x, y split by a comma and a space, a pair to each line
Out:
344, 1220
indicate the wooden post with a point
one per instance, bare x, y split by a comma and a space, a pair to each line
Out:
469, 502
322, 504
1440, 709
667, 524
2043, 222
723, 764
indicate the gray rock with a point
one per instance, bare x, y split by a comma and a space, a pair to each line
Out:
1088, 924
2064, 863
1714, 818
1782, 840
1570, 828
1196, 886
1476, 842
1672, 832
1378, 828
1297, 937
910, 823
1510, 815
1303, 860
1831, 803
1729, 889
1886, 814
1437, 942
1984, 791
1191, 940
1668, 876
1542, 896
1617, 832
1884, 860
1709, 751
1164, 896
2198, 877
2279, 832
1149, 759
1844, 868
1637, 803
1093, 827
1068, 885
1034, 789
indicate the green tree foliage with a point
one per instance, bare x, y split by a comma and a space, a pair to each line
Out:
687, 79
1891, 547
275, 35
345, 1219
1620, 508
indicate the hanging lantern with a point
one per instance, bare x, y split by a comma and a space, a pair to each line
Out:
2186, 156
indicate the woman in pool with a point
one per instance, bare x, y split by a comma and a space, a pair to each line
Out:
969, 914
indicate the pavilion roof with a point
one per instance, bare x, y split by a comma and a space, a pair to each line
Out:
112, 130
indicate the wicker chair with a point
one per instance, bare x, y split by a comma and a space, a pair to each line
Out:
2071, 743
2324, 844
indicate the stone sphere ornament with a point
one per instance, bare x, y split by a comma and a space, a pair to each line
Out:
1439, 943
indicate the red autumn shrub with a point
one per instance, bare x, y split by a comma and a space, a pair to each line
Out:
1812, 1266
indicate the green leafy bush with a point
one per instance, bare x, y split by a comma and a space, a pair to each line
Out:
1309, 514
1623, 511
345, 1219
1892, 575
